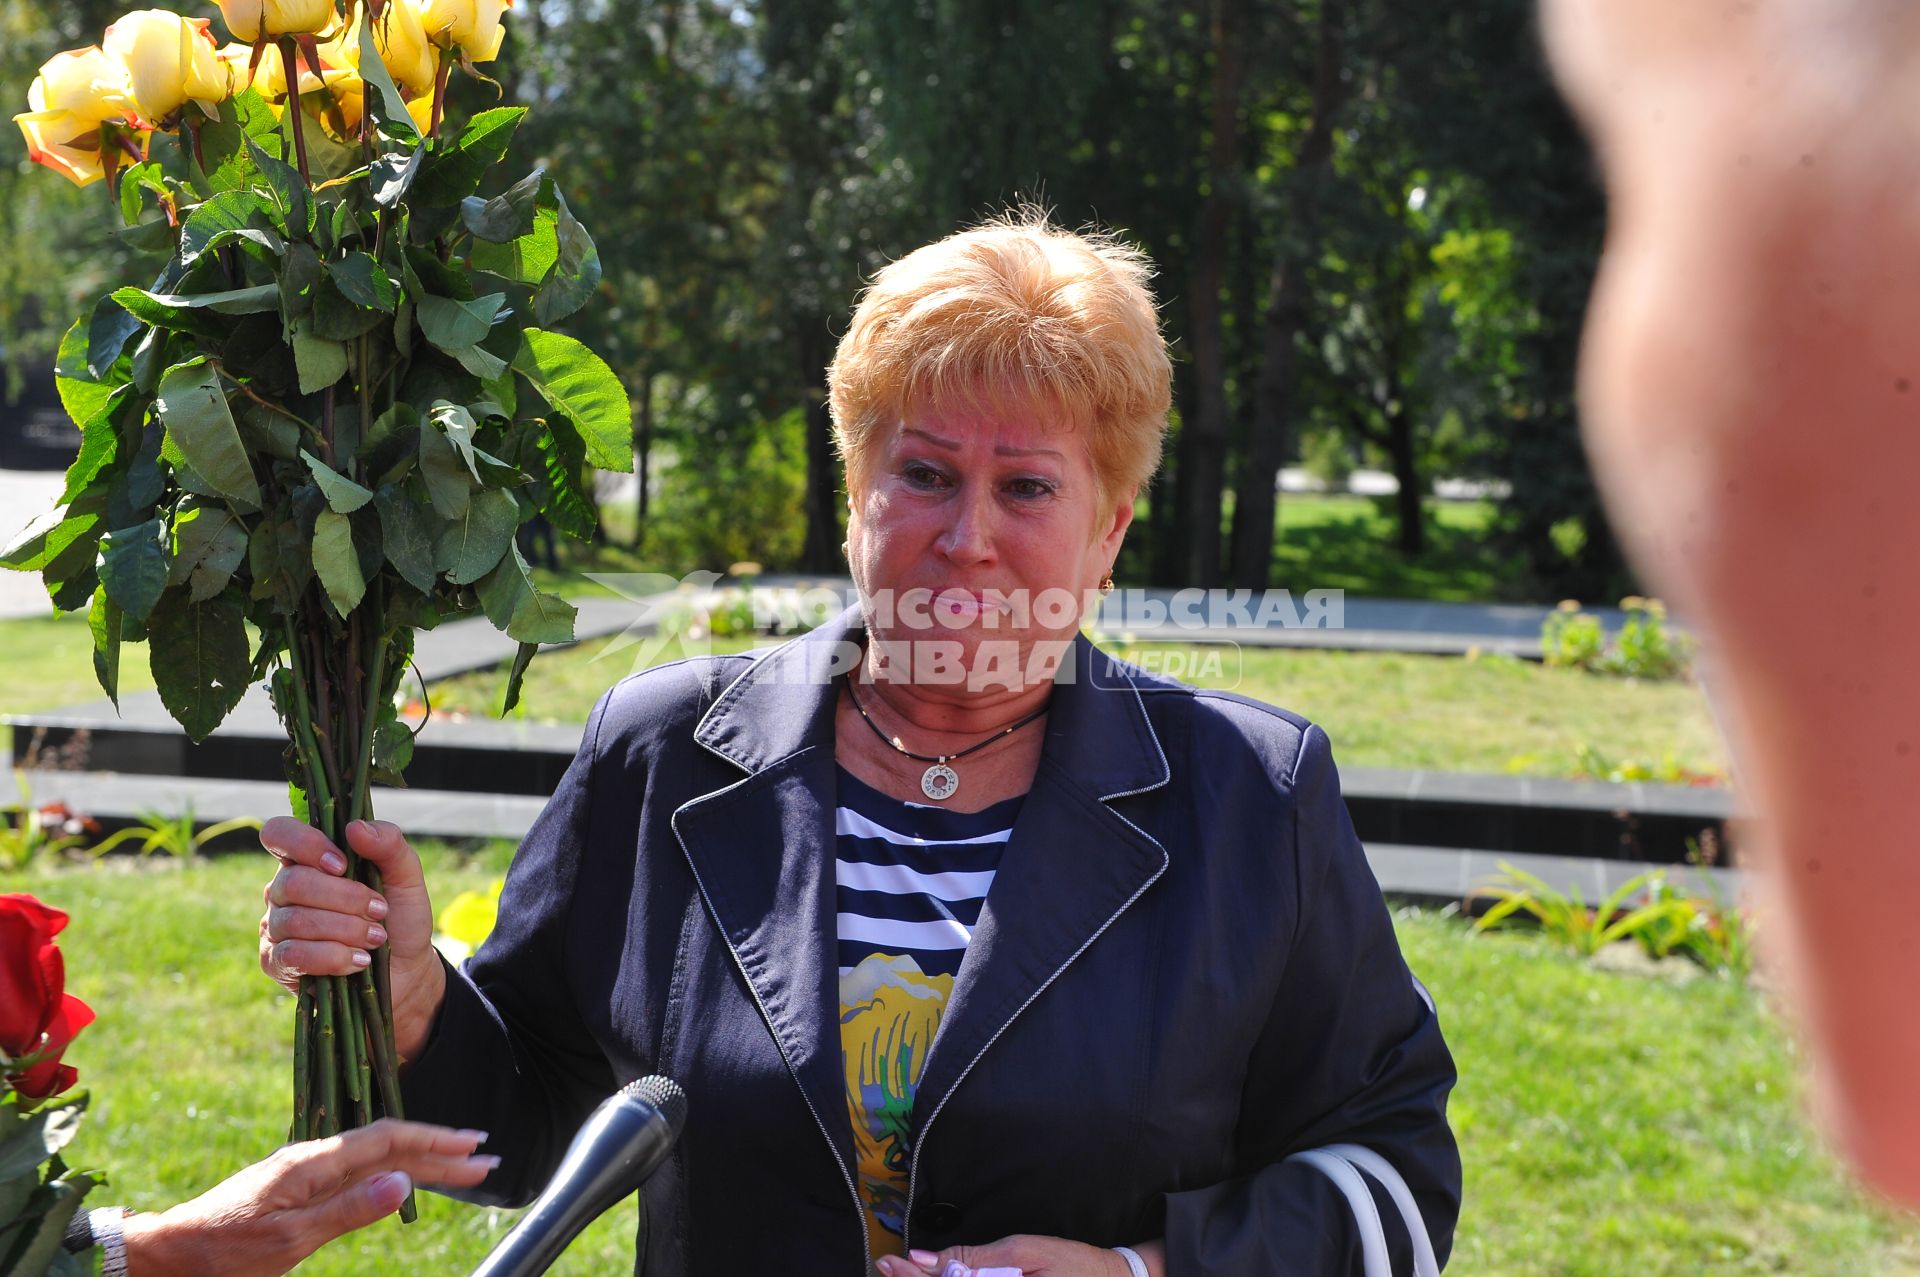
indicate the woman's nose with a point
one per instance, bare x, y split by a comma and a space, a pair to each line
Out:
968, 538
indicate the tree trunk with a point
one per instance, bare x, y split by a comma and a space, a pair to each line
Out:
642, 457
1406, 469
821, 551
1255, 500
1203, 459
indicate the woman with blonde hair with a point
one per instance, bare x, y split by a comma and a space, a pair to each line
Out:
966, 942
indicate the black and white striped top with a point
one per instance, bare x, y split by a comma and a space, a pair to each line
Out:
911, 878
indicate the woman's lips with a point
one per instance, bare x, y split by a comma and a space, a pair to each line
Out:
956, 603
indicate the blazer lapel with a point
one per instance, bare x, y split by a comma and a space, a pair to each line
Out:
1071, 867
761, 851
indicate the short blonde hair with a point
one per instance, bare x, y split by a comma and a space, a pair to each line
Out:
1010, 314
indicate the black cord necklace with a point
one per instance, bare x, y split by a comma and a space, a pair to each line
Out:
939, 782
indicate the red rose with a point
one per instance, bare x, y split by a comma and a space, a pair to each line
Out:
38, 1017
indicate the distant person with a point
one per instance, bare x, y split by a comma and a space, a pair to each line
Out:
1751, 393
271, 1216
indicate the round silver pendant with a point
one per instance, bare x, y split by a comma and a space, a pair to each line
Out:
939, 781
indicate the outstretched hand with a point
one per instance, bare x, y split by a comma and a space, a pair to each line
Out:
272, 1215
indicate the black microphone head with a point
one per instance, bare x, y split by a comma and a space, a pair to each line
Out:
664, 1094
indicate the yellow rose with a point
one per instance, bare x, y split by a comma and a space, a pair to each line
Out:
269, 78
170, 60
253, 20
75, 93
474, 25
403, 44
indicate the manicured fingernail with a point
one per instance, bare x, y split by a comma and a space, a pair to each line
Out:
924, 1258
333, 863
885, 1265
376, 908
362, 958
391, 1187
376, 936
489, 1160
478, 1137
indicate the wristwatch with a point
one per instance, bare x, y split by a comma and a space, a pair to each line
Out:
105, 1223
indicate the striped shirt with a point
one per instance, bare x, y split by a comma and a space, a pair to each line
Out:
910, 882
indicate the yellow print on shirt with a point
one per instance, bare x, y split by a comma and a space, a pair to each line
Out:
889, 1013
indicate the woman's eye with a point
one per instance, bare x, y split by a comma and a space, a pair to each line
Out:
924, 476
1030, 488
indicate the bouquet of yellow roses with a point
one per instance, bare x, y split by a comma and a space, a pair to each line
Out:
320, 426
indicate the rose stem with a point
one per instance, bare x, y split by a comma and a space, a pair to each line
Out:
327, 1061
302, 1058
442, 65
290, 59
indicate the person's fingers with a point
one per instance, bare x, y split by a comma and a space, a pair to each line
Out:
314, 889
315, 1166
311, 1227
382, 842
296, 842
297, 922
291, 959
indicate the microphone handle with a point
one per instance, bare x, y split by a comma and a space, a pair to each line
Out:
597, 1172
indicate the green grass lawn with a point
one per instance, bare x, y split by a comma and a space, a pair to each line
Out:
1609, 1123
1449, 713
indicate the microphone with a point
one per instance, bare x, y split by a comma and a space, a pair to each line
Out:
624, 1141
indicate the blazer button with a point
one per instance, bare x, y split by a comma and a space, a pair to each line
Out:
937, 1217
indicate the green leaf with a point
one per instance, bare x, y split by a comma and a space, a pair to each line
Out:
209, 544
47, 537
82, 391
388, 107
527, 259
281, 563
337, 319
336, 561
578, 384
391, 445
517, 676
407, 535
197, 419
40, 1136
514, 605
343, 495
555, 467
99, 445
393, 176
107, 335
362, 282
298, 280
223, 215
471, 545
244, 116
322, 363
575, 275
480, 361
180, 311
104, 620
451, 177
156, 236
292, 205
145, 176
200, 659
134, 566
449, 478
453, 325
506, 217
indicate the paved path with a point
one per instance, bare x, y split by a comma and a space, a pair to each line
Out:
24, 496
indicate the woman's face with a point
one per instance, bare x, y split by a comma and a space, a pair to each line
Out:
978, 537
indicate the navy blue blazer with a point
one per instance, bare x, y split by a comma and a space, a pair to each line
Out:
1183, 974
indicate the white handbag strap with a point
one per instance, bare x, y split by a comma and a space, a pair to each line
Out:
1424, 1263
1373, 1237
